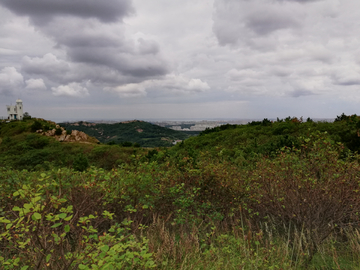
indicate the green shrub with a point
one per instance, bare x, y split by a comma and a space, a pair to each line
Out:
32, 158
58, 131
81, 163
6, 140
37, 141
309, 191
36, 126
126, 144
42, 231
151, 155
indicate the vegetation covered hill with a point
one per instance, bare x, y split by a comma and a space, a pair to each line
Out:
266, 195
22, 148
265, 138
142, 133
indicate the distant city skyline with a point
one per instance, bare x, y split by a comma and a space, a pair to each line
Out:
160, 59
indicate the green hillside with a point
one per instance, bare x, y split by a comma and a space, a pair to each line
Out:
265, 138
266, 195
143, 133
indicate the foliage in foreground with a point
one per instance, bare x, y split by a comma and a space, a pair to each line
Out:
46, 232
298, 210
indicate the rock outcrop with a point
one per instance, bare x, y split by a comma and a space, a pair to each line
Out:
74, 136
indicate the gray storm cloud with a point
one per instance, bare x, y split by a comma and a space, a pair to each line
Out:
243, 21
300, 1
93, 37
115, 52
267, 21
42, 11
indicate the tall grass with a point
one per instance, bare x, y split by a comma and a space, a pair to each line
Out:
234, 248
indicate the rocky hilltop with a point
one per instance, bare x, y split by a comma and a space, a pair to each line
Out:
60, 134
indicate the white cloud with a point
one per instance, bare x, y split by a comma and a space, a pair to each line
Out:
171, 83
244, 74
71, 90
48, 64
346, 75
128, 90
10, 80
180, 83
35, 84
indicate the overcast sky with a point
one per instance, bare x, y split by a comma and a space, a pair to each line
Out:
180, 59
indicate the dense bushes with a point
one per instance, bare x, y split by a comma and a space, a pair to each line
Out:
43, 231
266, 138
36, 126
81, 163
291, 202
309, 193
309, 190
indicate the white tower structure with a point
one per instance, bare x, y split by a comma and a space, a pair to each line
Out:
16, 112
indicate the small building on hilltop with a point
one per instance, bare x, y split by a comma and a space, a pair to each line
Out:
15, 112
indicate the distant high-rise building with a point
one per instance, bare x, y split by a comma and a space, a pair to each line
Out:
15, 112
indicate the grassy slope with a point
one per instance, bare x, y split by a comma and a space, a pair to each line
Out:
143, 133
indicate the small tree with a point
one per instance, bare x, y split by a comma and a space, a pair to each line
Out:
111, 143
342, 117
126, 144
266, 122
26, 116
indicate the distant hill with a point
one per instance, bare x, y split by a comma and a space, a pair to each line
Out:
143, 133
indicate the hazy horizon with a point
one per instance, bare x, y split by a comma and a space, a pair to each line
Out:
178, 120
